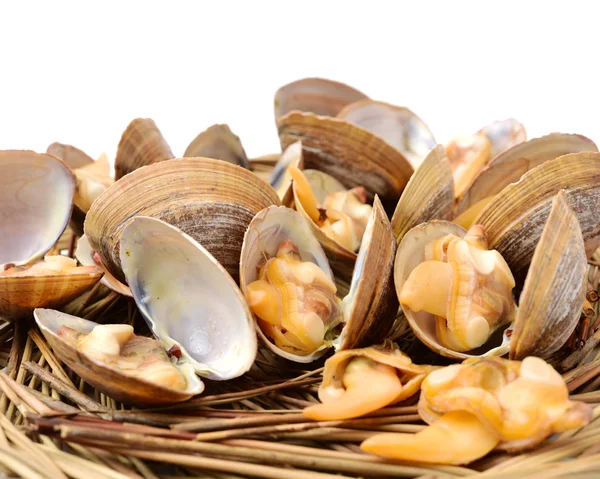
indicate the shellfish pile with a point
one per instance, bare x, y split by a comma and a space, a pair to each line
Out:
362, 233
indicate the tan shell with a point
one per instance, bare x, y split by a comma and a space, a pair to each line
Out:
341, 259
316, 95
351, 154
141, 144
397, 125
103, 377
371, 304
555, 287
429, 194
267, 230
515, 218
263, 166
211, 200
20, 295
72, 156
511, 165
218, 142
36, 196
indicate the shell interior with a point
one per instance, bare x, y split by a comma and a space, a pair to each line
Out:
187, 298
36, 196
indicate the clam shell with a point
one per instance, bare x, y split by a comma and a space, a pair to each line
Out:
85, 255
105, 378
341, 259
269, 228
219, 142
349, 153
555, 287
428, 195
316, 95
141, 144
397, 125
70, 155
188, 299
513, 163
515, 218
371, 305
20, 295
36, 196
411, 252
211, 200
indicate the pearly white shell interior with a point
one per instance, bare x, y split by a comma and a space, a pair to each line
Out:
187, 298
36, 197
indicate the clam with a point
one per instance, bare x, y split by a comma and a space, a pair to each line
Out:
399, 126
211, 200
389, 375
469, 154
429, 194
263, 165
316, 95
454, 292
175, 293
351, 154
219, 142
36, 195
336, 216
126, 367
549, 306
290, 288
509, 166
141, 144
515, 218
70, 155
483, 404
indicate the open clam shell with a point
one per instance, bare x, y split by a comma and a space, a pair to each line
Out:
340, 258
211, 200
512, 164
316, 95
86, 256
352, 155
188, 299
555, 286
71, 155
219, 142
20, 295
36, 194
397, 125
428, 195
104, 377
141, 144
269, 228
515, 218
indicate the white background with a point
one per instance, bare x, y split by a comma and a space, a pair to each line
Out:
78, 72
